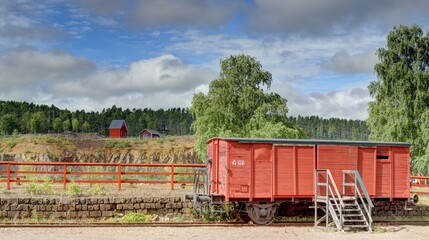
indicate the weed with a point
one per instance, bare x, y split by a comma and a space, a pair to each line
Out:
136, 217
97, 190
73, 189
3, 189
53, 217
117, 144
33, 188
123, 144
46, 187
34, 216
11, 143
383, 229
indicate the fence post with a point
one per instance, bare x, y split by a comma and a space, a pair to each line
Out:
8, 176
172, 177
64, 176
119, 176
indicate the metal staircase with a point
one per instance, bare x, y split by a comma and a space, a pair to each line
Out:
349, 210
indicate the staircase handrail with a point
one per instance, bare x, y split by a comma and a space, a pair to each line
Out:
359, 184
336, 196
337, 193
367, 211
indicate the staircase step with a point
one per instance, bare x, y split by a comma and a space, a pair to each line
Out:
350, 205
354, 221
353, 215
350, 209
358, 226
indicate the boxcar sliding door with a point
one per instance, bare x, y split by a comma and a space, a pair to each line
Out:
337, 158
294, 170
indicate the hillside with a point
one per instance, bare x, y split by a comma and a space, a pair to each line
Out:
85, 147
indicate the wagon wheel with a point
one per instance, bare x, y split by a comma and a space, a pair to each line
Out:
241, 213
261, 214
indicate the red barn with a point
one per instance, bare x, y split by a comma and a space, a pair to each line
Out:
118, 129
147, 133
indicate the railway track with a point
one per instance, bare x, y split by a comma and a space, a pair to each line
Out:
191, 224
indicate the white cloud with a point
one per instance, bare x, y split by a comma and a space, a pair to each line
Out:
295, 58
24, 66
75, 83
315, 17
296, 67
19, 25
342, 62
349, 103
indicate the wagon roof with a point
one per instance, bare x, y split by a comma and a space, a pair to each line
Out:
312, 142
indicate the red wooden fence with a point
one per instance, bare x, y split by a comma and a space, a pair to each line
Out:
419, 181
11, 172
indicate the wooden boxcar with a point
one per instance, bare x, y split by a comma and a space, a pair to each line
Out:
279, 170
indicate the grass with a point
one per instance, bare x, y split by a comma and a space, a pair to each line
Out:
136, 218
113, 143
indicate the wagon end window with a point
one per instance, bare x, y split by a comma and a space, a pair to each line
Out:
381, 157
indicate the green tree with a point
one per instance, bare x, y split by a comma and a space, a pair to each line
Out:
57, 124
238, 105
400, 107
38, 123
86, 127
8, 123
66, 125
75, 125
25, 122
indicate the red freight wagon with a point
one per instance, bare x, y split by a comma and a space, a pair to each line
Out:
264, 173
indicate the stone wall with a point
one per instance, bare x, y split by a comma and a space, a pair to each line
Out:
89, 207
105, 207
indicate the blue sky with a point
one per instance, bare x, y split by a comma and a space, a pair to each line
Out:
91, 55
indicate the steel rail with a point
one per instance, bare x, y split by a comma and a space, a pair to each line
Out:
192, 224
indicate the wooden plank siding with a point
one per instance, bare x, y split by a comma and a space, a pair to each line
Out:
264, 171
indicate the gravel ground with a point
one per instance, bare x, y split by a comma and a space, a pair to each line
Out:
207, 233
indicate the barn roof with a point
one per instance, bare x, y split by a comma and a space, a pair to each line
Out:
313, 142
152, 132
117, 124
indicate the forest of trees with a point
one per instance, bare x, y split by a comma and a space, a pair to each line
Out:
23, 118
315, 127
